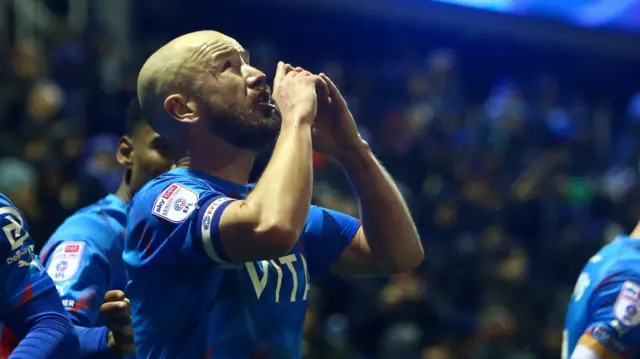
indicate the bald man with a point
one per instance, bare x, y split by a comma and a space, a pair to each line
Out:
218, 268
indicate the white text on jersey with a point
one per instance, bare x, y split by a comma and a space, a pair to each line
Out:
259, 284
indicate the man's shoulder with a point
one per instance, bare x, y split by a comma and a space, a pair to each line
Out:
7, 208
91, 217
5, 201
619, 277
616, 263
322, 220
169, 197
169, 184
94, 224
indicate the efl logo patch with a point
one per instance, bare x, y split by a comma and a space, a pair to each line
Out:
627, 304
631, 290
65, 261
175, 203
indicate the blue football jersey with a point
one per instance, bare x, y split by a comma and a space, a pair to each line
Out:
21, 275
84, 258
606, 299
190, 301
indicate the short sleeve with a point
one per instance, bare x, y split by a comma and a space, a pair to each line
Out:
327, 233
615, 320
21, 274
80, 273
176, 218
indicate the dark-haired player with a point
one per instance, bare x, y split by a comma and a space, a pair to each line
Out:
84, 255
603, 318
216, 270
94, 235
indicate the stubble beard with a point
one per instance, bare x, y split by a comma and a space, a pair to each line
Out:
244, 128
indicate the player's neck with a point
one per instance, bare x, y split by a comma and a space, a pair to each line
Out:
124, 192
225, 162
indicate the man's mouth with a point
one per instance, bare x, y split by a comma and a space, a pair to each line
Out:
264, 101
263, 97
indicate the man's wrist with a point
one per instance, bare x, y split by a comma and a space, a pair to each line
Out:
356, 157
294, 122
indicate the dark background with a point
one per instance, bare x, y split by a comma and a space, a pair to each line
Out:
518, 156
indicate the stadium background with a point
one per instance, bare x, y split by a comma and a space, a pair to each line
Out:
512, 137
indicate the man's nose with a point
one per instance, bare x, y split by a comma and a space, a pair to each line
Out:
256, 79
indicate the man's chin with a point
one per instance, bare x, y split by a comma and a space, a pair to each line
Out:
275, 117
254, 130
270, 115
266, 108
267, 120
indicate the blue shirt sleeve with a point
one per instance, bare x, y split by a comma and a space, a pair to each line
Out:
80, 271
166, 219
327, 233
615, 316
45, 330
94, 344
93, 341
22, 278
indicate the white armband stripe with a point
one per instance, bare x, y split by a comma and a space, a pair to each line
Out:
582, 352
211, 215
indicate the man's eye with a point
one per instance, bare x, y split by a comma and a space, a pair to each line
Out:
227, 65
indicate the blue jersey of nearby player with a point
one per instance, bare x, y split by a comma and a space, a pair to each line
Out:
604, 310
189, 301
21, 275
84, 258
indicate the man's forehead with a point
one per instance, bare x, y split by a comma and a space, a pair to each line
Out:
231, 42
227, 44
216, 47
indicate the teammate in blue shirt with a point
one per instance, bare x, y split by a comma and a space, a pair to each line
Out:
602, 320
35, 324
238, 260
29, 305
84, 255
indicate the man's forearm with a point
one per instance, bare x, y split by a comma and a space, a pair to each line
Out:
390, 231
45, 330
52, 337
283, 193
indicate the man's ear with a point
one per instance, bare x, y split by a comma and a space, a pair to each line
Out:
124, 154
180, 109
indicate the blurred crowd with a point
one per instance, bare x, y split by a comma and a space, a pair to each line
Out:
515, 173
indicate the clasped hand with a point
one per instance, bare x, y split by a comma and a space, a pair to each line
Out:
301, 95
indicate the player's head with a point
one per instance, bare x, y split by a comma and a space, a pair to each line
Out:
200, 85
141, 151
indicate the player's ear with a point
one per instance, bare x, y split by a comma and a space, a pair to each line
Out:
124, 154
181, 109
